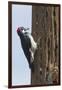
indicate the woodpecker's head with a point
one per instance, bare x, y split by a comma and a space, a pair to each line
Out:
22, 30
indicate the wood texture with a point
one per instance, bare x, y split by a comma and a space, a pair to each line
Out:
45, 30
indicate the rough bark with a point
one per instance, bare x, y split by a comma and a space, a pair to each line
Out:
45, 30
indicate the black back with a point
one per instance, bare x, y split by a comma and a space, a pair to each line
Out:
26, 45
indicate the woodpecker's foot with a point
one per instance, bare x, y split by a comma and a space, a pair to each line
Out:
32, 59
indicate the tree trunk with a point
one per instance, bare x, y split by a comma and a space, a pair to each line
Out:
45, 30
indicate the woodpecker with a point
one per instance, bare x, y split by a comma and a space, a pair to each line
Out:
29, 46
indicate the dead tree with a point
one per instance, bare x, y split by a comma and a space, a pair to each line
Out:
45, 30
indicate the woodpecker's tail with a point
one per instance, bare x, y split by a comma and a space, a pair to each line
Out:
31, 66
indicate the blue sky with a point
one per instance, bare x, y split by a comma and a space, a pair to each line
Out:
21, 16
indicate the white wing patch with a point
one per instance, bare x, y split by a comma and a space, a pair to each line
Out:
33, 43
33, 47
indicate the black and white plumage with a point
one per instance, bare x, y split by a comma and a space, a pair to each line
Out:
28, 44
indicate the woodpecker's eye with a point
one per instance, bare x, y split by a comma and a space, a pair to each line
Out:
21, 28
